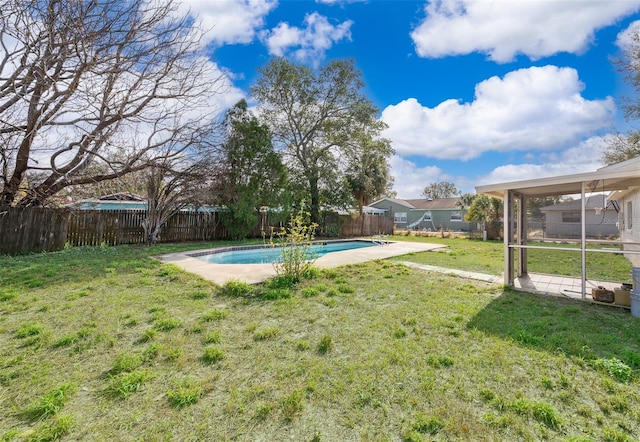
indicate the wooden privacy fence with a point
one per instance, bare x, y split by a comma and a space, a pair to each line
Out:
33, 229
365, 225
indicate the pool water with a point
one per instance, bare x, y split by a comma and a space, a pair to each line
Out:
268, 255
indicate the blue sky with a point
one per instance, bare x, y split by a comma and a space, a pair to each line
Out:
473, 91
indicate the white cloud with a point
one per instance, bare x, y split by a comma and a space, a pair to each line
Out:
584, 157
628, 38
410, 179
229, 21
307, 44
504, 29
538, 108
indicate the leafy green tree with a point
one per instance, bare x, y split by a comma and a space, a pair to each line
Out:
315, 116
368, 168
489, 211
465, 200
442, 189
249, 173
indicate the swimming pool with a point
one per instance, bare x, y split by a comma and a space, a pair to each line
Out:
267, 255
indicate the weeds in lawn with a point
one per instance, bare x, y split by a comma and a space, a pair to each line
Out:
173, 354
51, 403
292, 405
166, 324
148, 335
213, 337
325, 344
124, 385
310, 292
266, 333
126, 362
53, 429
72, 338
615, 368
29, 329
212, 355
273, 294
184, 392
236, 289
151, 352
215, 315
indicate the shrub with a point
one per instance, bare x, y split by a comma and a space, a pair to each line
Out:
295, 243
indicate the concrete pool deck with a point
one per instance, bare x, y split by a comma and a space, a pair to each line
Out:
255, 273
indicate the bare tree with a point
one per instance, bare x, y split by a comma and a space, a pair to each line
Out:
96, 83
623, 147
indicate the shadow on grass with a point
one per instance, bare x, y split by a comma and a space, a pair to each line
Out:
556, 324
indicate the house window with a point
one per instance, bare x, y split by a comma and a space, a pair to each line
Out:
570, 217
456, 216
427, 216
400, 217
629, 215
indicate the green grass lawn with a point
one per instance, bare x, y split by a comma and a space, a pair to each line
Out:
488, 257
109, 344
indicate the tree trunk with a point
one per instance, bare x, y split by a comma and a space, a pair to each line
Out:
315, 199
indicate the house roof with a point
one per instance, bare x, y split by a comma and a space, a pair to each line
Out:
592, 202
620, 176
424, 204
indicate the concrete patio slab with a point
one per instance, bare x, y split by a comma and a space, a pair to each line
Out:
255, 273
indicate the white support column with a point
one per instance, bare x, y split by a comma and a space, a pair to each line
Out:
508, 238
583, 240
522, 235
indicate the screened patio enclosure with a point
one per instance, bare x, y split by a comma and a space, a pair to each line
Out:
608, 183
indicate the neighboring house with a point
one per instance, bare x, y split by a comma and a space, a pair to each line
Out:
628, 203
116, 201
563, 220
124, 201
423, 214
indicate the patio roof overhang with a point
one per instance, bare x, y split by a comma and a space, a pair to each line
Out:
619, 176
